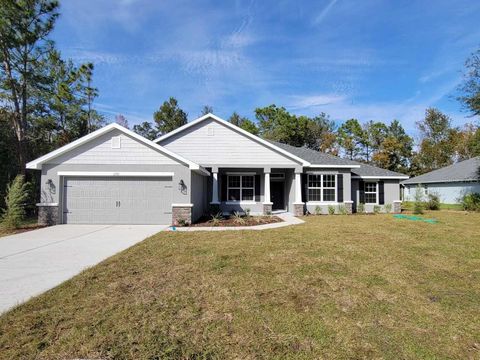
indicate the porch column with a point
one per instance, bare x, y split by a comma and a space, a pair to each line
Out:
298, 204
215, 186
267, 204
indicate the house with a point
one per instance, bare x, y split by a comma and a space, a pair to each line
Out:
115, 176
450, 183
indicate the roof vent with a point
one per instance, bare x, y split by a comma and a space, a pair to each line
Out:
116, 142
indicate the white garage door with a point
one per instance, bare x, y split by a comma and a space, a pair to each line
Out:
118, 200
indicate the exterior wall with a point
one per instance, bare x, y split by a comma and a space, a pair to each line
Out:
347, 188
99, 151
391, 192
53, 192
199, 195
211, 143
449, 193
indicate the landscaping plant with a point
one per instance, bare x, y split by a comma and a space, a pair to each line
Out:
388, 208
331, 209
471, 202
433, 202
237, 218
217, 218
376, 209
418, 203
361, 208
318, 210
342, 209
14, 212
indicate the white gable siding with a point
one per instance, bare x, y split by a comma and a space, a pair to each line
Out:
100, 151
210, 143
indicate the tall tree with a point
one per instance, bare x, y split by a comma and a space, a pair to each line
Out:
147, 130
470, 88
121, 120
207, 109
169, 116
437, 140
350, 135
321, 134
243, 122
24, 46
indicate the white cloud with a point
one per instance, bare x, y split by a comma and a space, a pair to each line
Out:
320, 17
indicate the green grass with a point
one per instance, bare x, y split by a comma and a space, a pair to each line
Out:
337, 287
408, 205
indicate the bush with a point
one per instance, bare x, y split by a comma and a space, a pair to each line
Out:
14, 212
342, 209
361, 208
331, 209
433, 202
376, 209
471, 202
237, 218
418, 204
388, 208
318, 210
183, 222
217, 218
247, 213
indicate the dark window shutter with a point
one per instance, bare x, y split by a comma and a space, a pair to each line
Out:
381, 193
340, 188
361, 187
257, 187
223, 180
304, 187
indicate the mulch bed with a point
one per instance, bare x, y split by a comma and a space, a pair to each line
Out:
231, 221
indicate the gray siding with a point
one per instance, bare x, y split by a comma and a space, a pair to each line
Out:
211, 143
199, 195
99, 151
449, 193
391, 191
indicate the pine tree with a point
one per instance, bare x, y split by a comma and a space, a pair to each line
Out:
17, 194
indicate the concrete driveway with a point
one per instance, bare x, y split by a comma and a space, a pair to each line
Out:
35, 261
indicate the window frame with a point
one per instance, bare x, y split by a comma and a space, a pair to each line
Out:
240, 188
321, 188
365, 192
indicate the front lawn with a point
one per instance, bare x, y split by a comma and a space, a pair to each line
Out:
335, 287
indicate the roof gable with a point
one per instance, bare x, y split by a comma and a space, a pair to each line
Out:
62, 153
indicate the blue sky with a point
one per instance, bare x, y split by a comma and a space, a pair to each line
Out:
370, 59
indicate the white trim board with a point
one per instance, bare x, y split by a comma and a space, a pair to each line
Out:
116, 173
237, 129
334, 166
37, 163
380, 177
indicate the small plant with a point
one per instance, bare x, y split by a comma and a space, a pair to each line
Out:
377, 209
247, 213
361, 208
237, 218
433, 202
342, 209
318, 210
418, 204
183, 222
388, 208
269, 212
471, 202
217, 219
14, 212
331, 209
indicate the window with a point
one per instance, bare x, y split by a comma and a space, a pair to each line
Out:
425, 189
322, 187
370, 193
241, 188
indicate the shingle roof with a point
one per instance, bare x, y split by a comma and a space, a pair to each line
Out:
318, 158
467, 170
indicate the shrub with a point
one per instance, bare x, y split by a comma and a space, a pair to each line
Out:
361, 208
388, 208
471, 202
183, 222
14, 212
342, 209
217, 218
418, 203
247, 213
376, 209
237, 218
331, 209
433, 202
318, 210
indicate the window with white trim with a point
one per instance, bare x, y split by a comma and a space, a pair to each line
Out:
322, 187
241, 188
370, 193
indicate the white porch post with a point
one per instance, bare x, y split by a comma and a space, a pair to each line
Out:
215, 187
298, 188
267, 188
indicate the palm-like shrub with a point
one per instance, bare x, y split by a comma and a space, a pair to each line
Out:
17, 195
361, 208
331, 209
433, 202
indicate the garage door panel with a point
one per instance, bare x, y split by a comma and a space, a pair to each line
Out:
117, 200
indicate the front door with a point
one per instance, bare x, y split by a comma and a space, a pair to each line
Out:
277, 194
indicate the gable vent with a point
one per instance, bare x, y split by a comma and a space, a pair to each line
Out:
116, 142
210, 131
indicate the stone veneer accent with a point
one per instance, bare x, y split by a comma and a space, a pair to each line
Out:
181, 212
298, 209
47, 214
397, 207
267, 208
349, 207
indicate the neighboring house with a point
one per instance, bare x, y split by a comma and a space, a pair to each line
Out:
450, 183
115, 176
